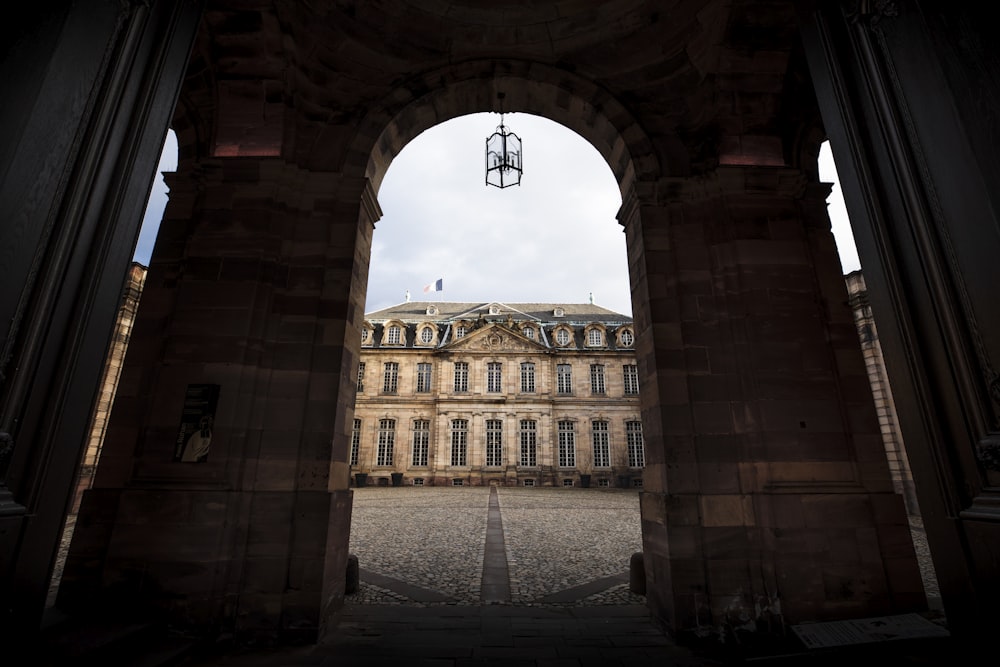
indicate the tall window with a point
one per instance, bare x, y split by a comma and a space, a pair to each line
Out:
459, 442
529, 443
356, 442
390, 377
361, 377
527, 377
421, 439
423, 377
493, 377
597, 378
386, 441
461, 376
602, 444
631, 374
494, 442
567, 445
564, 379
636, 450
394, 335
594, 338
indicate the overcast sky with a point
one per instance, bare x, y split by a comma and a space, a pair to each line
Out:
554, 238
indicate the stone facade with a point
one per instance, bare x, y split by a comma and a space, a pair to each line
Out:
871, 348
491, 393
109, 379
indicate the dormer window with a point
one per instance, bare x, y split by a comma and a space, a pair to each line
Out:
627, 338
394, 336
562, 337
432, 310
528, 332
494, 310
558, 312
426, 335
460, 331
595, 338
364, 335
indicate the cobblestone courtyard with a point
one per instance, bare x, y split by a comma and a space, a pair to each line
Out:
558, 541
564, 546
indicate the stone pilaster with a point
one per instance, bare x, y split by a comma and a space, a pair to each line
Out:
767, 497
255, 287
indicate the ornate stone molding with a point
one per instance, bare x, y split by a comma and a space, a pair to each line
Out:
988, 452
724, 181
870, 11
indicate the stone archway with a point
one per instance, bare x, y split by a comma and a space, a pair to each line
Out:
760, 452
767, 483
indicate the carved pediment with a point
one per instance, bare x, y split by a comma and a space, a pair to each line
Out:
495, 338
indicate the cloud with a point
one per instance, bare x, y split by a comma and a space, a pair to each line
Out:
553, 238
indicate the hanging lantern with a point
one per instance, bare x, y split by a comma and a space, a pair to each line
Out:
503, 155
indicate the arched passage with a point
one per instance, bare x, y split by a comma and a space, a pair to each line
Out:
764, 457
753, 395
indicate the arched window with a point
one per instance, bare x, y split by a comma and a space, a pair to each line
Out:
421, 440
459, 442
528, 436
527, 377
386, 441
630, 375
601, 443
567, 445
494, 376
636, 450
494, 442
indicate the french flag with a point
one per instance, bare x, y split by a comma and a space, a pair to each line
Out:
435, 286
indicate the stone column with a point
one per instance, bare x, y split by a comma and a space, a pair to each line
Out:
257, 287
90, 88
767, 498
909, 99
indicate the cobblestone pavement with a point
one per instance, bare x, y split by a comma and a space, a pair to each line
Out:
556, 539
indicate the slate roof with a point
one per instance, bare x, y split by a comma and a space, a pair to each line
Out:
416, 311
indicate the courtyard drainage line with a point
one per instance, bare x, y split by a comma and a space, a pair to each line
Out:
495, 586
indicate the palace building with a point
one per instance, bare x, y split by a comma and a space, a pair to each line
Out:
528, 394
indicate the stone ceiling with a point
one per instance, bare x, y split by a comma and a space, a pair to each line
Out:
669, 87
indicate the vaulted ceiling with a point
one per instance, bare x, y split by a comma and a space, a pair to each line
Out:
660, 87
